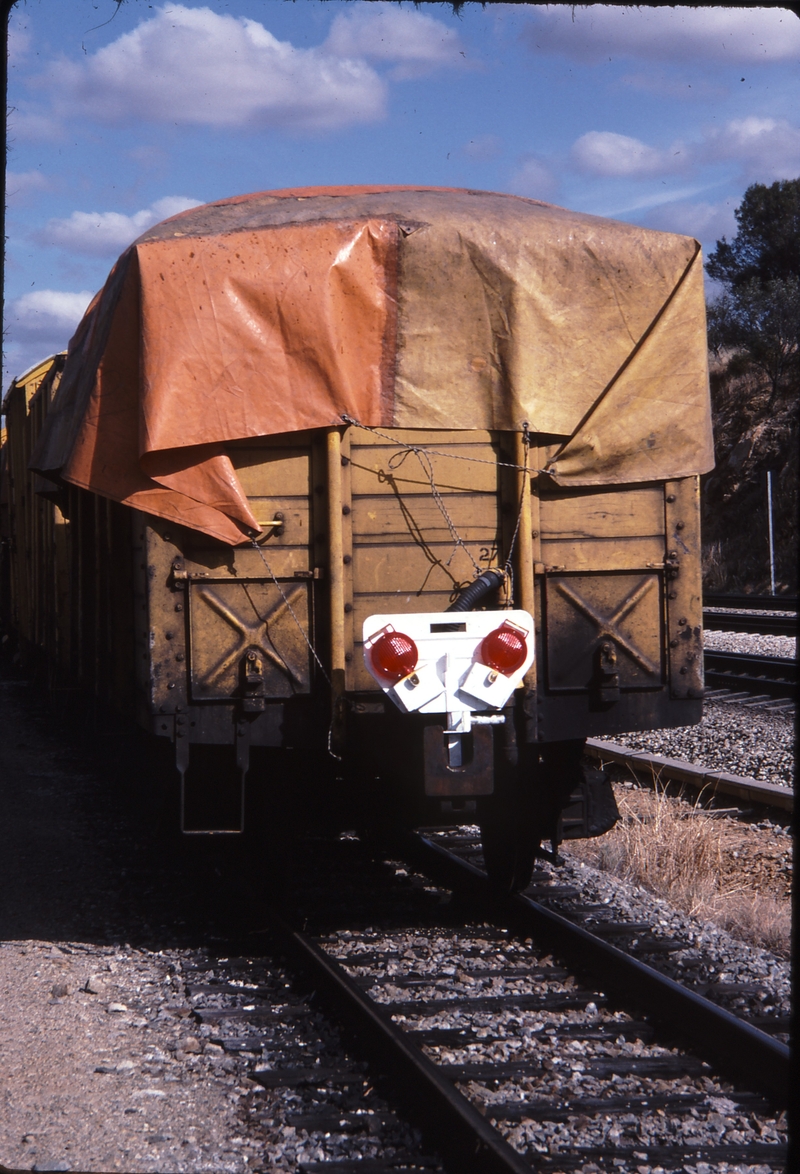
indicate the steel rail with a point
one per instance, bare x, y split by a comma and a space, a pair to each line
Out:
737, 621
752, 602
738, 1048
454, 1126
649, 767
773, 675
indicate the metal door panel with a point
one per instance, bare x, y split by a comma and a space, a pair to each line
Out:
588, 614
228, 618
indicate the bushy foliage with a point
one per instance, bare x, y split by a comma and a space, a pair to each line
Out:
767, 244
754, 337
763, 319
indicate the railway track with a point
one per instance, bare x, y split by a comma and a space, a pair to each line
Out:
762, 677
646, 767
738, 621
513, 1037
786, 603
766, 615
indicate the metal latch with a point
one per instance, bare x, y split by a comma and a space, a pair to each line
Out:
271, 529
253, 683
606, 678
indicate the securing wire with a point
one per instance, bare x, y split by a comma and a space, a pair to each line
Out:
291, 610
311, 647
423, 455
416, 448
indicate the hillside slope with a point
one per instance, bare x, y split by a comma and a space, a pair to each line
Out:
754, 431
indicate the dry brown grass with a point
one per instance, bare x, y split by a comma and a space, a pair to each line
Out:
679, 852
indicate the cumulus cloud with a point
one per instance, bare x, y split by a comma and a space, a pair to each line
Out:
104, 234
605, 153
20, 184
417, 44
19, 37
731, 35
764, 149
46, 317
705, 222
195, 66
534, 179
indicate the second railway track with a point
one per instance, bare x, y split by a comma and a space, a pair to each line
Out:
770, 677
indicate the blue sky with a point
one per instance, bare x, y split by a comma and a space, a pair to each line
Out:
123, 114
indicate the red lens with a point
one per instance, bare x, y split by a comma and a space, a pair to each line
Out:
504, 649
394, 656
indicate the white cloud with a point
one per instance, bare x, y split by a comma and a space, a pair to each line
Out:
47, 317
706, 222
32, 126
195, 66
736, 36
534, 179
608, 154
417, 43
20, 184
766, 148
19, 37
104, 234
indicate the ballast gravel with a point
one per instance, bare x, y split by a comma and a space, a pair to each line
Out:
711, 957
103, 1068
748, 643
753, 743
561, 1061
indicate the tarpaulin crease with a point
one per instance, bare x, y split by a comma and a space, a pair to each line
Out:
412, 308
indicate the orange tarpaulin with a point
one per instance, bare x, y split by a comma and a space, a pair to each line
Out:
401, 307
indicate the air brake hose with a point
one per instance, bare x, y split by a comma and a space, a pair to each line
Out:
487, 582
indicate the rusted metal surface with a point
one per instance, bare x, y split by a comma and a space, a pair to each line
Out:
684, 587
603, 626
473, 777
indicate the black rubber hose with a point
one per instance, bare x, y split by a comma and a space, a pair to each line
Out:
483, 585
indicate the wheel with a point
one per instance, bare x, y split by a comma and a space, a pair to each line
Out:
532, 786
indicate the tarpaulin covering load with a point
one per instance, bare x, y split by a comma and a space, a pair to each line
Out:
401, 307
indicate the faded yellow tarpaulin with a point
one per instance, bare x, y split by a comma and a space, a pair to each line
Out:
412, 308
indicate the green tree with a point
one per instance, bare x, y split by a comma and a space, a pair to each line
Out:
758, 314
767, 244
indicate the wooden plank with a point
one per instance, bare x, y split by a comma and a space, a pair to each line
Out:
603, 554
263, 472
389, 570
247, 563
372, 473
603, 513
427, 437
475, 517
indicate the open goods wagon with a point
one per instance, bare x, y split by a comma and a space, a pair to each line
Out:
399, 482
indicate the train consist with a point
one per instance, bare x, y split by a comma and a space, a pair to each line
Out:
399, 485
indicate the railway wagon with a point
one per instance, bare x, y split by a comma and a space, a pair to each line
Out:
393, 489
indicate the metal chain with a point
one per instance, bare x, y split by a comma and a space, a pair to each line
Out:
438, 453
427, 467
311, 647
282, 593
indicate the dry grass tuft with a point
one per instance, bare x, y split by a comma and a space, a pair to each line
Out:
677, 851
